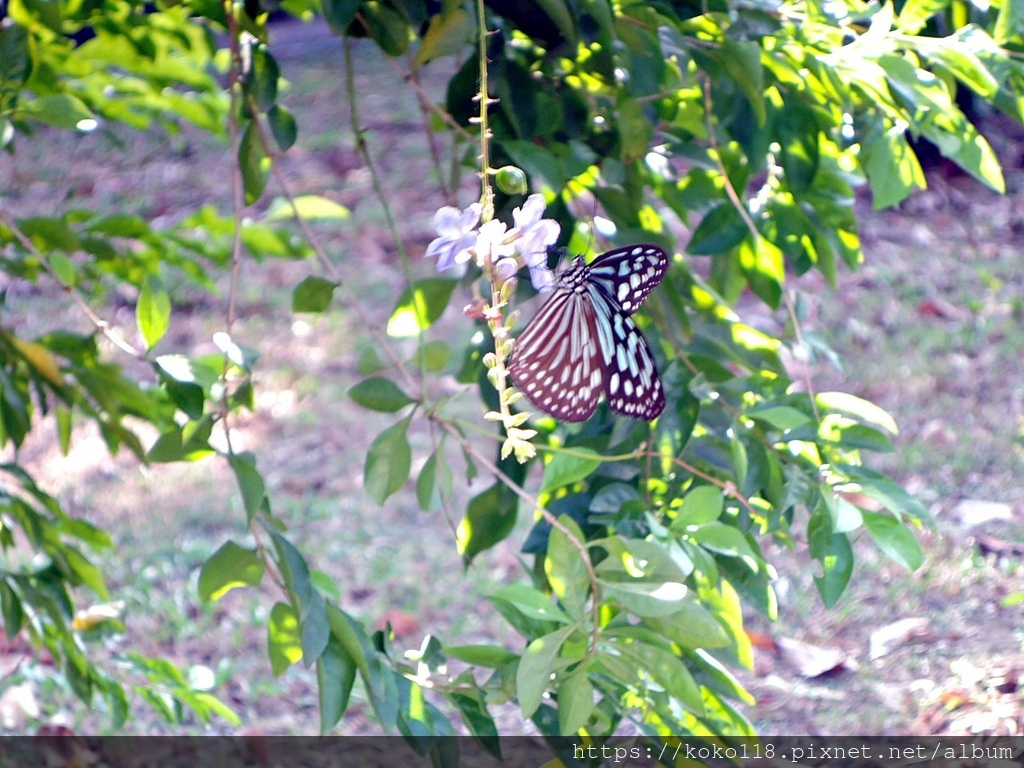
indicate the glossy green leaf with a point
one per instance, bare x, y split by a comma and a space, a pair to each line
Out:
447, 34
533, 677
692, 626
646, 598
435, 482
419, 306
566, 569
724, 539
335, 676
379, 393
61, 110
575, 701
668, 671
388, 462
835, 554
530, 603
314, 629
253, 164
490, 518
313, 294
308, 207
250, 481
387, 27
339, 14
703, 504
721, 229
481, 655
283, 643
153, 311
262, 77
568, 467
229, 567
856, 406
894, 539
283, 127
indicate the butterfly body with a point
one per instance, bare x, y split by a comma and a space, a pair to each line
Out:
583, 343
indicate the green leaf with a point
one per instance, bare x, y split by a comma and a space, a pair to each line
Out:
703, 504
575, 701
229, 567
529, 602
721, 229
568, 467
388, 462
61, 110
565, 568
379, 393
432, 356
845, 516
492, 656
335, 675
339, 14
835, 554
253, 164
533, 677
635, 131
261, 80
63, 268
283, 127
915, 14
250, 481
490, 518
314, 629
666, 669
308, 207
646, 598
313, 294
724, 539
742, 62
892, 168
419, 306
435, 482
447, 34
1009, 22
692, 626
386, 26
894, 539
856, 406
153, 311
283, 643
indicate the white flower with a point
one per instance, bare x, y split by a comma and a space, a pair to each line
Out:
457, 230
534, 236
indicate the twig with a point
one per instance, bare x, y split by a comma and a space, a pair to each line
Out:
101, 325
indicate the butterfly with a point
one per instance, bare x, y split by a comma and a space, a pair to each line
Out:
582, 342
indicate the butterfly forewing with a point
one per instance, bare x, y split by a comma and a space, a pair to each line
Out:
583, 342
629, 274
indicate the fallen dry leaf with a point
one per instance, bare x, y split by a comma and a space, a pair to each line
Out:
811, 661
893, 635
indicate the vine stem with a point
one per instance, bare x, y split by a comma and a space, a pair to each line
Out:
579, 546
238, 209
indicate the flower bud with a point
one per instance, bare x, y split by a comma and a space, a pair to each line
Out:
511, 180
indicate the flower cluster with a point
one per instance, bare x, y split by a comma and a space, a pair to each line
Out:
461, 238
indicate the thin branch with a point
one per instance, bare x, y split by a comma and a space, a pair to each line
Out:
518, 490
100, 324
